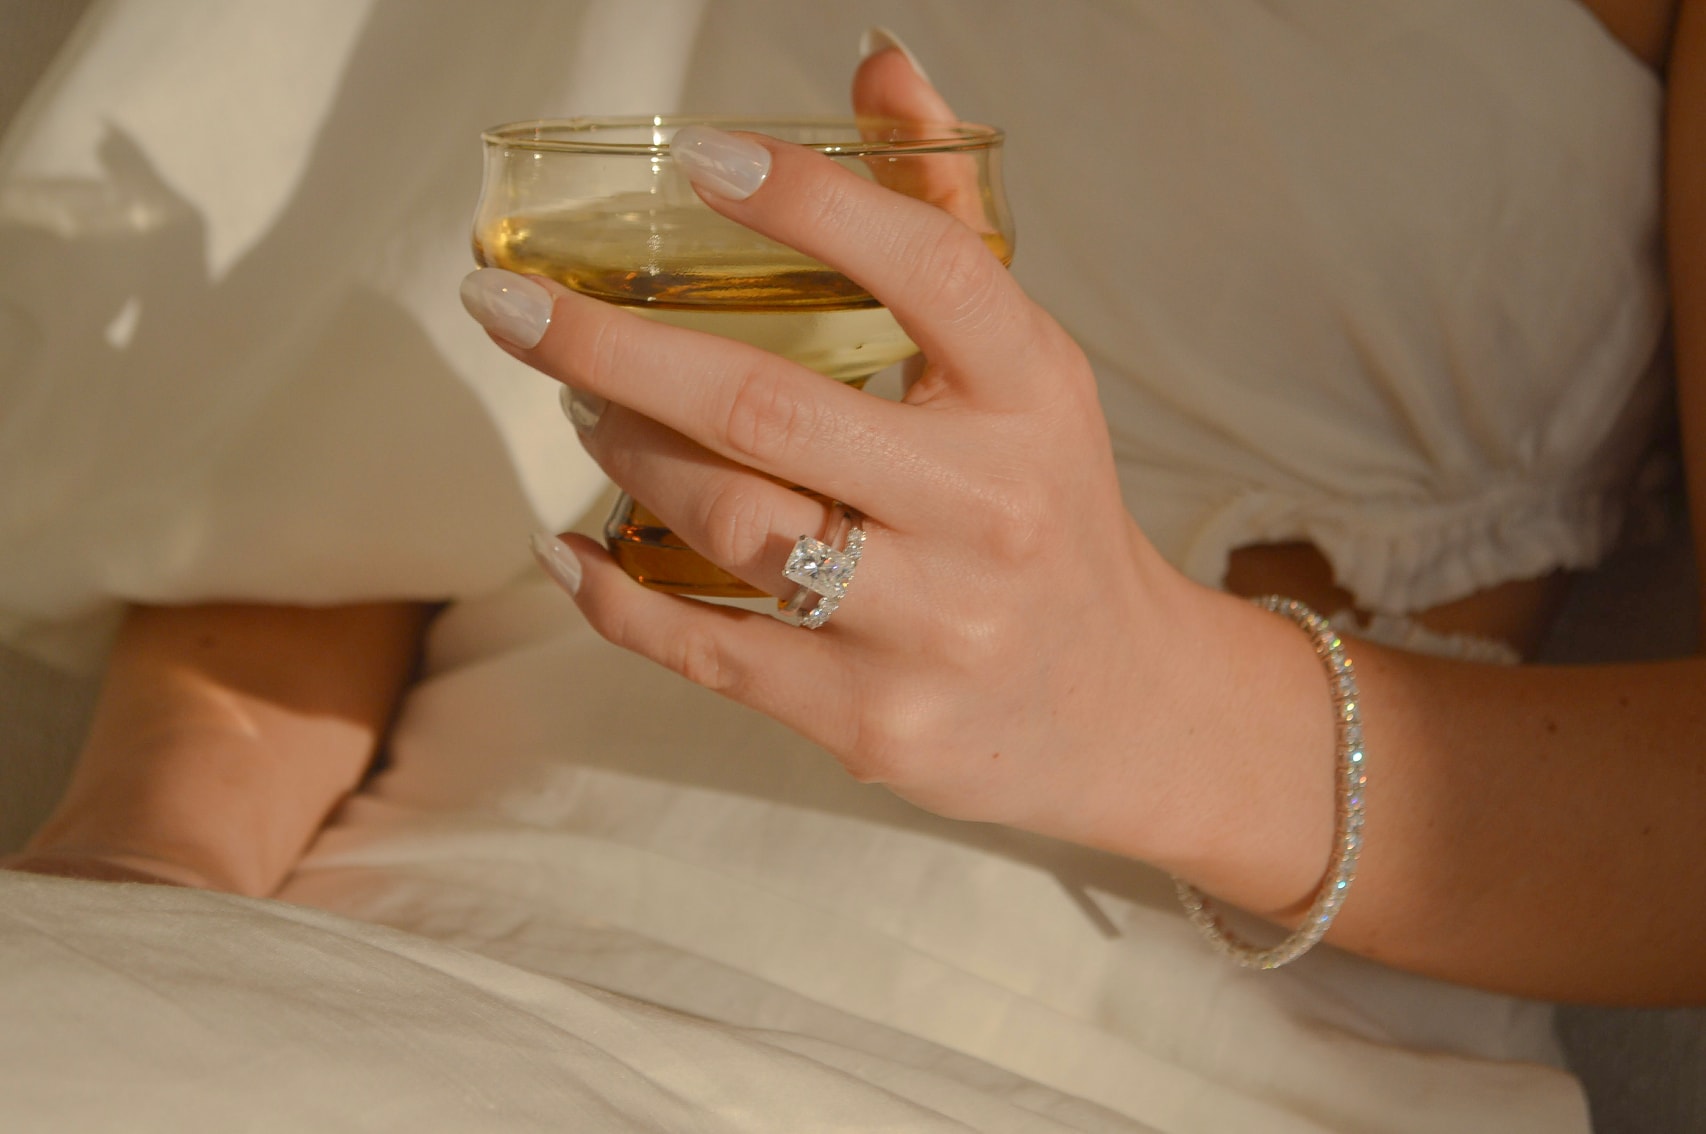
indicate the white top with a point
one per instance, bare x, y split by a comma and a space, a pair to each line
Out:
1374, 273
1383, 276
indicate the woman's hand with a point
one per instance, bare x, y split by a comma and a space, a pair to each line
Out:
1010, 649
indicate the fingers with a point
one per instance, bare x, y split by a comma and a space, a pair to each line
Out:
951, 294
727, 650
890, 85
742, 523
738, 401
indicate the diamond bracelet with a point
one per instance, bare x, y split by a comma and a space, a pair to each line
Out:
1351, 778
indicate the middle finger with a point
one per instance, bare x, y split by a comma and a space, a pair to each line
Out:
744, 522
742, 403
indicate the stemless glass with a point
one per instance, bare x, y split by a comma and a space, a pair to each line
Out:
598, 205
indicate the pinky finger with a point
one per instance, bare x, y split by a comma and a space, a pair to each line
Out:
779, 670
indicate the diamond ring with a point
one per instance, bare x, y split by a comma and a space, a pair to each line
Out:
823, 572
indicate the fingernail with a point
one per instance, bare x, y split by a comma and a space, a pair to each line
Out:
721, 163
582, 409
558, 561
512, 307
878, 38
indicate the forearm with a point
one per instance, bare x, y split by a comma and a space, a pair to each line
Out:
1535, 829
225, 734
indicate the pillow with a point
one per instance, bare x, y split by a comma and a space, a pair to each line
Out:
234, 365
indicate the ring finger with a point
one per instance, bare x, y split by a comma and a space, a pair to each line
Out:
745, 522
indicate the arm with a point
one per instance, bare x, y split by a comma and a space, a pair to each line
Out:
1016, 652
1538, 829
223, 737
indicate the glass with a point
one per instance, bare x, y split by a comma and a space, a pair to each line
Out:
598, 205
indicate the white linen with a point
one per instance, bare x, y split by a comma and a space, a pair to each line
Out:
259, 386
573, 810
232, 360
135, 1008
1380, 275
1376, 275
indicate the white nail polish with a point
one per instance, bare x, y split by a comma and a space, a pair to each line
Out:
558, 561
582, 409
878, 38
721, 163
510, 306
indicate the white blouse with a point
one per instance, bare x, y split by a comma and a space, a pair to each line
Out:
1381, 276
1374, 273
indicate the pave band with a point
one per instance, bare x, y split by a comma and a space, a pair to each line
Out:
1350, 779
823, 572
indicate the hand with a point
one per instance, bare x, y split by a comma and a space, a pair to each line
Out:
1013, 649
1006, 599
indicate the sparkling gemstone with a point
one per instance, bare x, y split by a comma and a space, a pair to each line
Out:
818, 567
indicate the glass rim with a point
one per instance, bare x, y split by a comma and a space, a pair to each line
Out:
548, 134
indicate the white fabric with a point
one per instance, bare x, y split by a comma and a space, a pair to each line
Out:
579, 812
233, 360
136, 1009
1379, 275
235, 369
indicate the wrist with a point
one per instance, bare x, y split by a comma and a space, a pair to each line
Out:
1265, 770
1221, 769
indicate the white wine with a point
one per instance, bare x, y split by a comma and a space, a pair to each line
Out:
689, 267
718, 278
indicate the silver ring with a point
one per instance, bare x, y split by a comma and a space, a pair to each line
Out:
823, 572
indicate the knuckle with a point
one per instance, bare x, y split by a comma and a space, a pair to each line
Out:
700, 658
827, 204
1019, 515
597, 349
966, 278
765, 419
693, 652
737, 525
890, 732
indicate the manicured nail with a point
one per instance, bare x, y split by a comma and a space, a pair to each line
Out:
512, 307
582, 409
558, 561
879, 38
721, 163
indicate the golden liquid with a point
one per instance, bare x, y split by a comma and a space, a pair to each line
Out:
688, 267
691, 268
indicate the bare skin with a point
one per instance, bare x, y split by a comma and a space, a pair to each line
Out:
223, 738
1538, 829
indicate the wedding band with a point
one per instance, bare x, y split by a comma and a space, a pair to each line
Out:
823, 572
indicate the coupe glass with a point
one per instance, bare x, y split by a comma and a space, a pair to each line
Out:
598, 205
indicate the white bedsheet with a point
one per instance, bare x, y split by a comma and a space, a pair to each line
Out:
558, 819
138, 1008
635, 833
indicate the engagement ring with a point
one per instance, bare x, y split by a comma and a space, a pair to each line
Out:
823, 573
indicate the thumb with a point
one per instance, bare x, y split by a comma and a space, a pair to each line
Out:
890, 83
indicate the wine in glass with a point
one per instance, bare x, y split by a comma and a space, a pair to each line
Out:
598, 205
